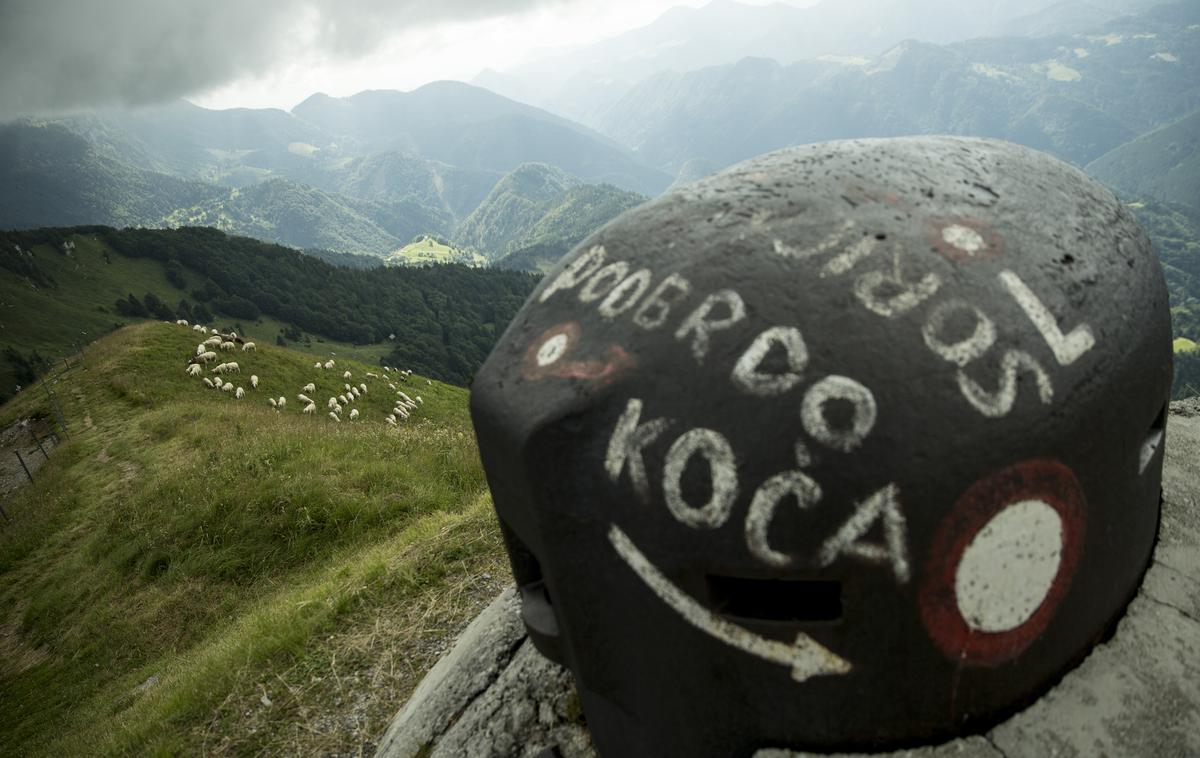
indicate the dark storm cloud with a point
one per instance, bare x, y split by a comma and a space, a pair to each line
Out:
58, 55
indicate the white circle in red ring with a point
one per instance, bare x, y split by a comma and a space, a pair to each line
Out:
1041, 480
963, 238
1009, 567
550, 347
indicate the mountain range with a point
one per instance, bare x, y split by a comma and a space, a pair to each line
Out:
583, 82
1074, 96
364, 174
518, 185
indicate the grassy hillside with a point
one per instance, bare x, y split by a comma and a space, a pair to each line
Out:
1176, 239
392, 177
426, 250
294, 214
439, 320
1075, 96
475, 130
50, 176
538, 206
196, 573
513, 205
1164, 165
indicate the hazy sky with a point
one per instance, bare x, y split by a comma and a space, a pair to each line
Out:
455, 50
64, 55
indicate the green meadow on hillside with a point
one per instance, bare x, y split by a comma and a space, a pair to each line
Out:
57, 321
192, 572
426, 250
62, 288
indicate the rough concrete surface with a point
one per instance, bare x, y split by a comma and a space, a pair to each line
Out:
1137, 694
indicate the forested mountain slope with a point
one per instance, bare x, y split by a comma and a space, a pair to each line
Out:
64, 287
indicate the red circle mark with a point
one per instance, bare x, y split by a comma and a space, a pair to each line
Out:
992, 247
1040, 479
616, 359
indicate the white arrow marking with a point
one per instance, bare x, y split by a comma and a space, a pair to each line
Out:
806, 657
1066, 348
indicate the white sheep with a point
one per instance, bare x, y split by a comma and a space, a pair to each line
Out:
310, 387
310, 408
332, 402
317, 364
334, 416
354, 391
429, 382
218, 369
271, 400
249, 346
337, 408
346, 375
391, 385
419, 400
387, 368
198, 328
373, 376
201, 348
182, 322
233, 367
282, 401
363, 386
227, 346
303, 398
233, 335
329, 363
214, 331
227, 387
342, 399
403, 396
353, 414
346, 387
239, 393
207, 356
193, 369
208, 382
254, 381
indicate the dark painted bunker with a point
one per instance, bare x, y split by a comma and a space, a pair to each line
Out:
852, 446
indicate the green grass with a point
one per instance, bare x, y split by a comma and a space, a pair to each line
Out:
226, 547
57, 322
428, 250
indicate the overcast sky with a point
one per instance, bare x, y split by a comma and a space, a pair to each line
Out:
65, 55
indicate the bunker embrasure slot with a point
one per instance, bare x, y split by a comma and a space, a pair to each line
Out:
806, 600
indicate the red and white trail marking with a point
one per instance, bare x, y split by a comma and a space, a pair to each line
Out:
547, 357
1001, 562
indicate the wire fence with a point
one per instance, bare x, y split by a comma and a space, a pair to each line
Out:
23, 438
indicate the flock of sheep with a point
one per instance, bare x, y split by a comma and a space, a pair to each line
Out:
336, 405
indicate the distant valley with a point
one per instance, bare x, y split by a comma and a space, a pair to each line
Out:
336, 174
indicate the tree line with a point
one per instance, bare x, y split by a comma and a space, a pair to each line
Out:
442, 320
